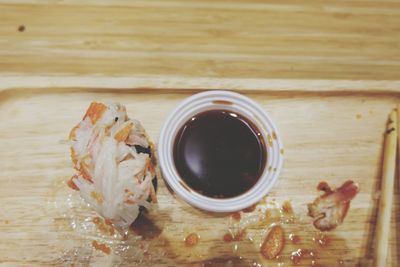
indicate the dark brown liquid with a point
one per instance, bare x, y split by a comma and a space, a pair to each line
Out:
219, 153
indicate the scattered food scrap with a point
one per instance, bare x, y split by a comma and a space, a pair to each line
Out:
228, 237
105, 226
287, 208
102, 247
294, 238
250, 209
236, 216
273, 243
300, 254
322, 240
330, 209
192, 239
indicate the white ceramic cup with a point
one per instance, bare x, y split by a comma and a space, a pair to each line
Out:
214, 100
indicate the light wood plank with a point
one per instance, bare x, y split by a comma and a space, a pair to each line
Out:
347, 40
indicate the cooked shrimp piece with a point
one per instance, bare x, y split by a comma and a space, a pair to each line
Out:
330, 209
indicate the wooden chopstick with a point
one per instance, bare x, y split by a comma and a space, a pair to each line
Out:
398, 137
387, 185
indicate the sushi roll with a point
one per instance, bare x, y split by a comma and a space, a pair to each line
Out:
114, 162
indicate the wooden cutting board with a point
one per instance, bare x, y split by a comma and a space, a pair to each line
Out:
327, 72
327, 136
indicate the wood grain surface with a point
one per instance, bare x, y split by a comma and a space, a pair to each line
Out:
332, 137
357, 40
326, 71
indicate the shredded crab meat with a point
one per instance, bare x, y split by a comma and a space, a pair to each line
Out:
330, 209
111, 176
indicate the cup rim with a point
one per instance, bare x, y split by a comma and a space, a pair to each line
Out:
211, 100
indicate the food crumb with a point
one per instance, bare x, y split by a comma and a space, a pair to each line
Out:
228, 237
191, 240
263, 201
322, 240
6, 221
294, 238
324, 186
315, 264
71, 184
287, 207
21, 28
101, 247
236, 216
239, 236
104, 227
358, 116
296, 256
250, 209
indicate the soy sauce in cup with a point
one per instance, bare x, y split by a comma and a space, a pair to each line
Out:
233, 164
219, 153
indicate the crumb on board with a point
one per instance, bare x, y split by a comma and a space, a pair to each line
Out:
250, 209
294, 238
287, 207
228, 237
104, 227
102, 247
236, 216
322, 240
330, 208
21, 28
358, 116
192, 239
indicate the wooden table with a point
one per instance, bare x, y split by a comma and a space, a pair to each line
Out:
201, 43
321, 64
